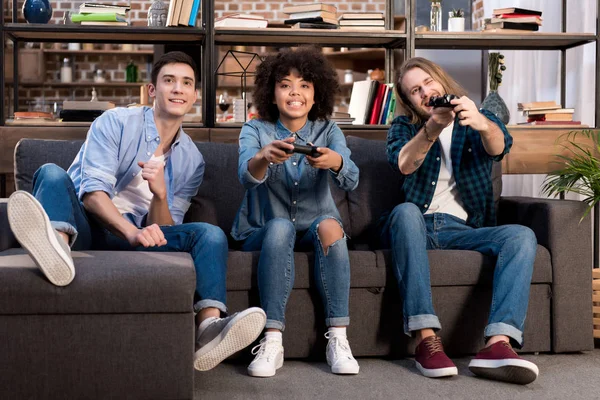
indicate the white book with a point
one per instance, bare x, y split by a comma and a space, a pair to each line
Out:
360, 100
241, 23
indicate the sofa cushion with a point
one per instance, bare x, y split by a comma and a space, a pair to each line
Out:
378, 191
105, 282
30, 154
242, 268
467, 268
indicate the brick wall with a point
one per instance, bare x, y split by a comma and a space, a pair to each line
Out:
477, 16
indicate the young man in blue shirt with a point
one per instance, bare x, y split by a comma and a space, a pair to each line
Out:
129, 188
446, 155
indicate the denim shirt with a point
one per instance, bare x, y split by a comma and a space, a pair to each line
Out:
293, 190
116, 141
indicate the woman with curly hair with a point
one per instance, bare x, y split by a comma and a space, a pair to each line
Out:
288, 203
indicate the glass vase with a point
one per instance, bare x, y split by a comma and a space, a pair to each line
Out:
435, 16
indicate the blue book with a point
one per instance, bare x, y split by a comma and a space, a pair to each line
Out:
194, 13
386, 106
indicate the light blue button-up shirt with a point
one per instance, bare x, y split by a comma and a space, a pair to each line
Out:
293, 190
116, 141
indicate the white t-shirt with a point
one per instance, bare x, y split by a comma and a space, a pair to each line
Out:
135, 198
446, 198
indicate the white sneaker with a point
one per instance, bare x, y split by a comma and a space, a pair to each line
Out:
339, 355
223, 337
269, 358
31, 226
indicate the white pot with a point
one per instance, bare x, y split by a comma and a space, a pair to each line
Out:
456, 24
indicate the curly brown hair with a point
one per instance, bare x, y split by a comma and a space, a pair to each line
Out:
311, 65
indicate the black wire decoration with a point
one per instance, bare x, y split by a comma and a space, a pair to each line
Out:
243, 73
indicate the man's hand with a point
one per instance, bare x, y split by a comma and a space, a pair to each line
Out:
328, 159
275, 152
149, 236
154, 172
442, 116
469, 115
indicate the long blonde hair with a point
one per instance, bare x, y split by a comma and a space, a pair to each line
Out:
437, 73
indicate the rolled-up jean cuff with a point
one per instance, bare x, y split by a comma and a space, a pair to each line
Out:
67, 228
202, 304
274, 324
423, 321
337, 321
500, 328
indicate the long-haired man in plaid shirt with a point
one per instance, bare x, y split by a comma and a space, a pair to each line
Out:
446, 155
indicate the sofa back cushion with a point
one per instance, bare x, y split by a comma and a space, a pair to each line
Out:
30, 154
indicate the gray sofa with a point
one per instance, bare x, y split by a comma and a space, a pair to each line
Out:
124, 327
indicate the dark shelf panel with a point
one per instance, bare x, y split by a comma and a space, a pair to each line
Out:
501, 40
323, 37
102, 34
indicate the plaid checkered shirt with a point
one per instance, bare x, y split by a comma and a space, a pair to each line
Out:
471, 166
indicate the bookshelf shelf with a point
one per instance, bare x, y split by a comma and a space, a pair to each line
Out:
501, 41
80, 84
98, 52
102, 34
323, 37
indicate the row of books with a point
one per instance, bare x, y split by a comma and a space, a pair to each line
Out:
515, 18
182, 12
324, 16
101, 14
372, 103
547, 113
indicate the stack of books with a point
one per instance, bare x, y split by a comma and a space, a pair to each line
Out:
101, 14
312, 16
32, 117
515, 19
372, 103
241, 21
363, 21
182, 12
341, 118
547, 113
84, 111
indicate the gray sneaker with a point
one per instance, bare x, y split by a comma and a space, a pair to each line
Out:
31, 226
226, 336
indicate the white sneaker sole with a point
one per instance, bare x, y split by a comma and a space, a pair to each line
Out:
514, 370
346, 370
31, 226
438, 372
238, 334
265, 373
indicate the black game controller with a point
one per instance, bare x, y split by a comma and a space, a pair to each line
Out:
442, 101
304, 149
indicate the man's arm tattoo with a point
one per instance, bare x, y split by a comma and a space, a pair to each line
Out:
418, 163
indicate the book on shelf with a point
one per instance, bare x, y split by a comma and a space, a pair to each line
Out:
362, 28
391, 109
377, 105
309, 7
241, 21
515, 10
104, 17
538, 105
543, 111
554, 124
361, 15
87, 105
312, 14
361, 22
104, 23
194, 13
512, 25
34, 115
524, 20
186, 12
361, 100
311, 20
506, 31
550, 117
315, 25
94, 8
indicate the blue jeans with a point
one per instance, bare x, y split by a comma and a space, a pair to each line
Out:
276, 241
410, 234
207, 244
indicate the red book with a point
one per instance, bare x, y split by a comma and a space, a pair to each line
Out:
517, 16
377, 104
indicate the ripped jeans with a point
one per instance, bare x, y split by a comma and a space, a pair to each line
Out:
276, 241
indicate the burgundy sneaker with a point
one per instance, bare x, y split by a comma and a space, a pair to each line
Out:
431, 360
500, 362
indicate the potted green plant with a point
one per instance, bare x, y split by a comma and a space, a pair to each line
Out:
456, 20
580, 171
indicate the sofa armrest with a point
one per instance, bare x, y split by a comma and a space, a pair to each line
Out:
557, 227
7, 239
